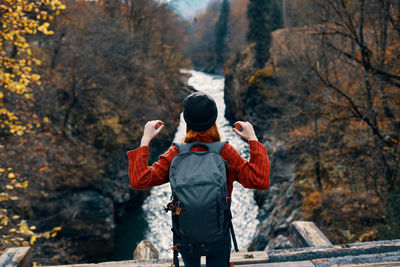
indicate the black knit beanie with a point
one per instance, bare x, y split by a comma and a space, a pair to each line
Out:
199, 111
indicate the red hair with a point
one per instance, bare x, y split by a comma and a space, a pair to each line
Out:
192, 134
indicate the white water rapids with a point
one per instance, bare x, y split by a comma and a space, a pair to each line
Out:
244, 208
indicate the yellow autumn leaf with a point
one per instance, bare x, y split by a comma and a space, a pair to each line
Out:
33, 240
53, 234
15, 217
11, 175
46, 120
25, 230
2, 170
9, 187
4, 197
46, 235
14, 198
12, 230
4, 221
57, 228
44, 26
43, 169
35, 77
37, 61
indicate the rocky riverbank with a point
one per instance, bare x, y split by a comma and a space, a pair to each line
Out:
252, 94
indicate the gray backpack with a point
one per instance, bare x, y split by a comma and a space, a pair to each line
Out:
200, 202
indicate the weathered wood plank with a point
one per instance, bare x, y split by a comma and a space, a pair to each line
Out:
283, 264
236, 258
307, 234
359, 259
16, 257
380, 264
302, 254
129, 263
357, 253
249, 257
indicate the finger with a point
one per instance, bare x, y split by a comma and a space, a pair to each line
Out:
159, 129
159, 124
237, 132
239, 125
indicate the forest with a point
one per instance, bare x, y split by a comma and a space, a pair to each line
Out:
79, 79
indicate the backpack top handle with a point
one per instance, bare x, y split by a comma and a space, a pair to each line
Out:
211, 147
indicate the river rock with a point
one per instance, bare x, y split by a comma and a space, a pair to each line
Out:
145, 250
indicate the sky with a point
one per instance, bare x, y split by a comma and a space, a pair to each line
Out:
189, 8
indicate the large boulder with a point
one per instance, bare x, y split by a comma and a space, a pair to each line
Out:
145, 250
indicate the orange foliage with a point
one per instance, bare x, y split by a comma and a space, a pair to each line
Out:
344, 215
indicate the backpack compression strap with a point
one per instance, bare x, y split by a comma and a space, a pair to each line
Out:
235, 245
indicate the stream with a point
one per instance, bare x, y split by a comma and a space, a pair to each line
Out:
155, 223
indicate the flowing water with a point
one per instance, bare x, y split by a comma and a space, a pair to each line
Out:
244, 208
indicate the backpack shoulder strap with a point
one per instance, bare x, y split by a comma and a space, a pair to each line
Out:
184, 147
212, 147
216, 146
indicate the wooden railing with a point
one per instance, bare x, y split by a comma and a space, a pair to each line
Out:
16, 257
313, 249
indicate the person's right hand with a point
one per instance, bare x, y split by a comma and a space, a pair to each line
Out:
151, 130
245, 130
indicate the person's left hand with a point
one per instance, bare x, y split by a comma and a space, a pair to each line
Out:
151, 130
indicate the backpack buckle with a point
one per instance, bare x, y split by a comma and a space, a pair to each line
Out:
178, 208
170, 207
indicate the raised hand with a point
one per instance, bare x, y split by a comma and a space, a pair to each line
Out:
151, 130
245, 130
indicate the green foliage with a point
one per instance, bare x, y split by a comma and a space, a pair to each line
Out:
264, 17
221, 32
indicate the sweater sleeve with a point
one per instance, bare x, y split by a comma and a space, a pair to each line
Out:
255, 173
142, 176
